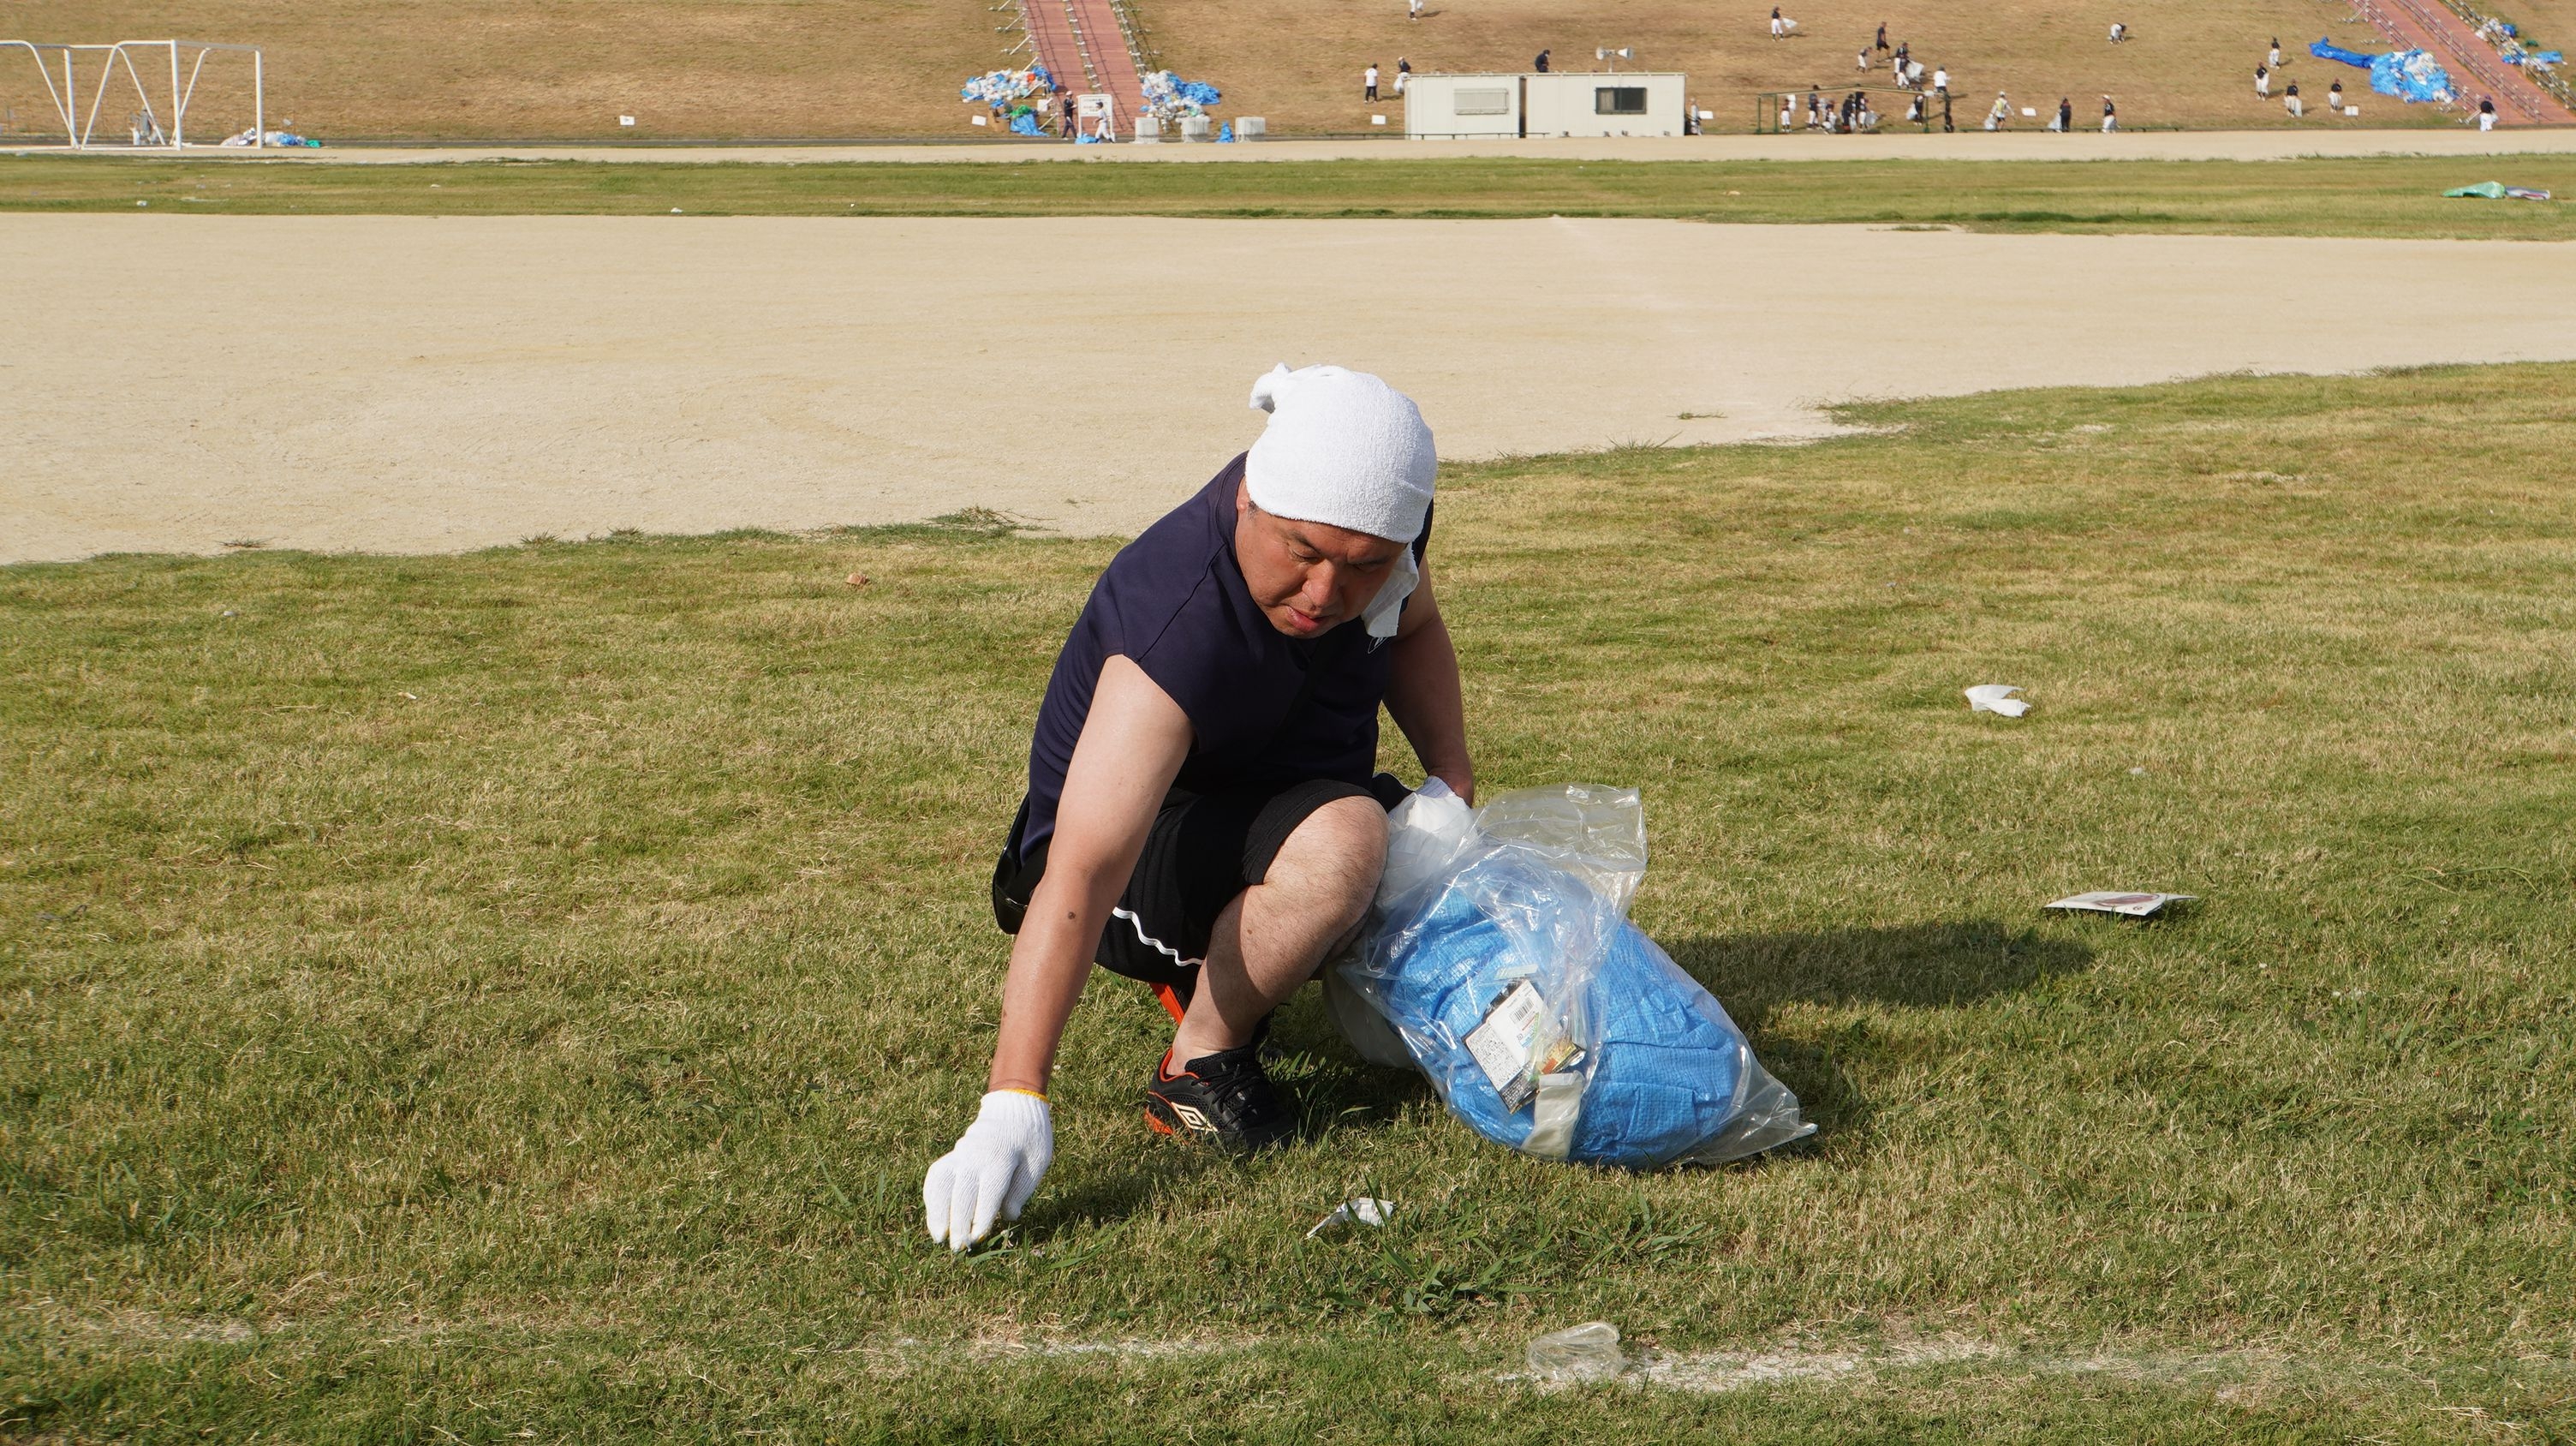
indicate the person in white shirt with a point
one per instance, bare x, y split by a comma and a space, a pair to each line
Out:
2119, 32
2334, 98
2275, 61
2001, 113
1368, 81
1940, 80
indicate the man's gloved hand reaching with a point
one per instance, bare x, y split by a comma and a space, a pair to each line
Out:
994, 1169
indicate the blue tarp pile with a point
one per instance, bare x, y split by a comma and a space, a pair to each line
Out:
2410, 75
2327, 50
2509, 44
998, 88
1170, 98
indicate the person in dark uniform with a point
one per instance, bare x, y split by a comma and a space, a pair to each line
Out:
1540, 63
1203, 813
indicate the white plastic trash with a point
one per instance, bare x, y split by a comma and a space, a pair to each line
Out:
1250, 128
1588, 1352
1194, 128
1997, 698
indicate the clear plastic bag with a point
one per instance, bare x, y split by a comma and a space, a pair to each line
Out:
1501, 953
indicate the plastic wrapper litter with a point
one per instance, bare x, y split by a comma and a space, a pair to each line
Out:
1501, 954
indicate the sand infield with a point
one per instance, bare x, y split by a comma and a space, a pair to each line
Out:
419, 385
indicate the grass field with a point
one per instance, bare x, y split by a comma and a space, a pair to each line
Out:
514, 996
402, 69
2387, 196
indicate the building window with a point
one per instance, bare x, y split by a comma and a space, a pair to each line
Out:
1495, 101
1619, 100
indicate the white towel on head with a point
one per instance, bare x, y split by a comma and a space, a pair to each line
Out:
1345, 449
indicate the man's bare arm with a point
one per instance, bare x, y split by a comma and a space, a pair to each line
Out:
1132, 746
1423, 694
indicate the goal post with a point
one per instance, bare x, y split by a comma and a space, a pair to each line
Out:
61, 66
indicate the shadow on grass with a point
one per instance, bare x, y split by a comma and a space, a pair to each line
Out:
1921, 966
1918, 966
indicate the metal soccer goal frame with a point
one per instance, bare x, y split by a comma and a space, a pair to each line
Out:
79, 132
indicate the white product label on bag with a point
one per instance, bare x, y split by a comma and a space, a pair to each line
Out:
1501, 1044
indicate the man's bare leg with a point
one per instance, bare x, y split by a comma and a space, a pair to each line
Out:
1274, 934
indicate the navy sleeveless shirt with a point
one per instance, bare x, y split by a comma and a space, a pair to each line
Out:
1264, 708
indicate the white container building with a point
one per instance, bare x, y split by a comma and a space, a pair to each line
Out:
1444, 107
1559, 103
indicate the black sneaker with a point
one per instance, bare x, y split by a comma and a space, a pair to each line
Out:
1223, 1099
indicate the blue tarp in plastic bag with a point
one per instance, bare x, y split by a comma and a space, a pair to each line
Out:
1025, 124
2327, 50
1502, 956
2410, 75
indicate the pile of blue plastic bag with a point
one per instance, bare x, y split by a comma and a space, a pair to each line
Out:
1502, 956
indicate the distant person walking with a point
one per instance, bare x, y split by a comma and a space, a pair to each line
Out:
2110, 116
2290, 102
1403, 75
2486, 114
1779, 24
1946, 127
1863, 58
1368, 82
1067, 125
1788, 113
1940, 80
2001, 114
2275, 59
1539, 64
2262, 82
1882, 35
2065, 114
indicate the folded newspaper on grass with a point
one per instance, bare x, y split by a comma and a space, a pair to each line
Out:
1501, 953
2113, 901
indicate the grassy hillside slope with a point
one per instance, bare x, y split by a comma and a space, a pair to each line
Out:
347, 69
361, 69
2191, 62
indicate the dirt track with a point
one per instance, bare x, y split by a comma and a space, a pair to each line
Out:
412, 384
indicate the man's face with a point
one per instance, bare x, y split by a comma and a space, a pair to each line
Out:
1307, 577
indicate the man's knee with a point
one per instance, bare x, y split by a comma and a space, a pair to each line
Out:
1334, 857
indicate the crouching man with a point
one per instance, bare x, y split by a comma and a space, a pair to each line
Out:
1202, 815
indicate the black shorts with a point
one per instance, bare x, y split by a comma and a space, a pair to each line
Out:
1204, 849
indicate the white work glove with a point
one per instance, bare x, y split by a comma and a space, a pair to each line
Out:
994, 1169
